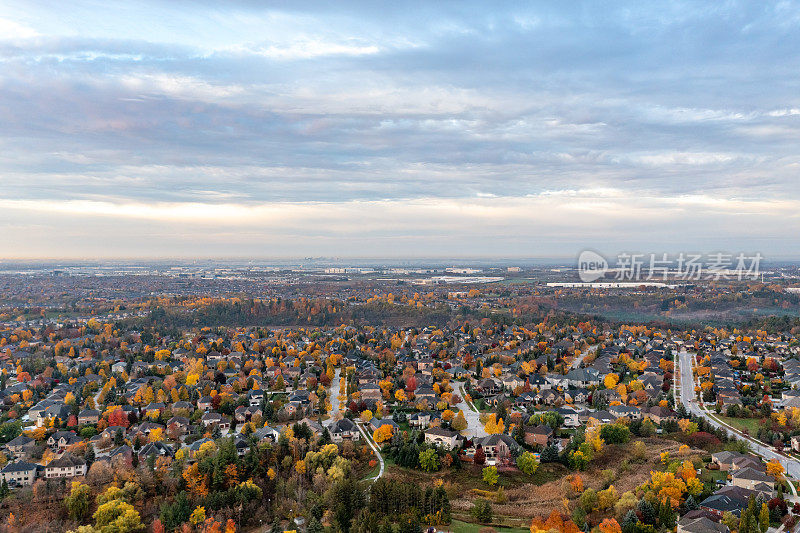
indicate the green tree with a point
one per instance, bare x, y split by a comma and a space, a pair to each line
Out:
615, 433
409, 523
528, 463
459, 423
482, 511
763, 518
730, 520
77, 503
490, 475
588, 500
346, 499
314, 526
429, 460
117, 516
175, 514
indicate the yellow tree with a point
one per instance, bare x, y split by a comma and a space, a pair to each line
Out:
383, 433
611, 380
156, 435
774, 468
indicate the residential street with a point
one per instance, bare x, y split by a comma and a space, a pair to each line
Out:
578, 360
687, 386
474, 426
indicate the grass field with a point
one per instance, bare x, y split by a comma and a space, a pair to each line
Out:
457, 526
750, 424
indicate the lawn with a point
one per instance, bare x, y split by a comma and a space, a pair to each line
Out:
749, 424
713, 475
457, 526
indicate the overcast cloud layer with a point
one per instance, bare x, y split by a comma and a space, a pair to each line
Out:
423, 129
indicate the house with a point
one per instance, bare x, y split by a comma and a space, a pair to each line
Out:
21, 446
154, 408
576, 395
111, 431
752, 479
67, 465
267, 433
245, 413
724, 460
442, 437
256, 397
425, 393
539, 435
195, 446
123, 452
583, 377
59, 440
748, 461
488, 386
727, 499
660, 414
205, 403
419, 420
88, 416
178, 425
497, 447
625, 411
701, 525
58, 411
376, 423
344, 429
155, 449
18, 473
370, 391
570, 416
213, 418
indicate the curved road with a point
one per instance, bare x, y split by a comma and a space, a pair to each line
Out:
375, 449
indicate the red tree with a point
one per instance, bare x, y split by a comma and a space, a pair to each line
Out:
118, 418
480, 456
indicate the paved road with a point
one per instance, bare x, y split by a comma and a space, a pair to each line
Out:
474, 426
687, 397
334, 394
374, 449
578, 360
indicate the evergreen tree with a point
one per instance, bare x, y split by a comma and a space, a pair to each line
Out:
409, 523
549, 455
667, 516
648, 512
89, 455
691, 504
763, 518
629, 522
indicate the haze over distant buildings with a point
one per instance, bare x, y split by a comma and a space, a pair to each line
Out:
179, 128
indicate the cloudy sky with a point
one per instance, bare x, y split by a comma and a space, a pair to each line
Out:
280, 129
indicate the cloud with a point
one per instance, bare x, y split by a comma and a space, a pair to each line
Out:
11, 30
533, 226
436, 115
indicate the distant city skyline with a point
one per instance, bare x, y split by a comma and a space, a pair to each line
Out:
361, 129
